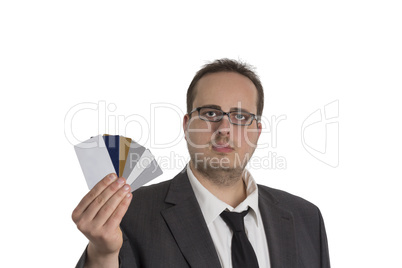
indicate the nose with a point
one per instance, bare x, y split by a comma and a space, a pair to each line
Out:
224, 126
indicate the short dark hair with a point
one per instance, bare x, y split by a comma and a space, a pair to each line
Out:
227, 65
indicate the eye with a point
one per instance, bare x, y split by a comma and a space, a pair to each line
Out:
240, 117
210, 113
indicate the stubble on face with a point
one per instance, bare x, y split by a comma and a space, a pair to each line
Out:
221, 176
221, 169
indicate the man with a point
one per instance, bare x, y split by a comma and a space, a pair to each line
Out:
212, 214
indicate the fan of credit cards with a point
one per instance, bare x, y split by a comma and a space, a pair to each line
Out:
105, 154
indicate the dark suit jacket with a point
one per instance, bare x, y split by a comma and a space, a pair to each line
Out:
164, 227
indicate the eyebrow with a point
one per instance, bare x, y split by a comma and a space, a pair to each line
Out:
233, 109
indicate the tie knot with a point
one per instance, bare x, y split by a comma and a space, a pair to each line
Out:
235, 220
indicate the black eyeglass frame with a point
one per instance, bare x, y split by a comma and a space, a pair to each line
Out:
254, 117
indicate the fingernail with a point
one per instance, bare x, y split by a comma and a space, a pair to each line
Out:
126, 187
120, 181
112, 177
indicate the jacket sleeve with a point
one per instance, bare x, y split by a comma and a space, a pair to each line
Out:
126, 257
325, 263
81, 262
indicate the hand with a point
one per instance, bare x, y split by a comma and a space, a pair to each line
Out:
98, 217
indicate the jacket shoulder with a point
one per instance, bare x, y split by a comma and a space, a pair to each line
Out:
287, 200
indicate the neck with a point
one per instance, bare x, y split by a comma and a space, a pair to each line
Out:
232, 193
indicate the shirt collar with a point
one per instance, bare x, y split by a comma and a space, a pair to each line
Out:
212, 207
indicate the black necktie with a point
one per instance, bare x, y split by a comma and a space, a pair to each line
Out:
243, 254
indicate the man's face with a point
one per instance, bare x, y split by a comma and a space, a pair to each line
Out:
222, 145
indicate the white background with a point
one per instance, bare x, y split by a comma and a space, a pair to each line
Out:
55, 55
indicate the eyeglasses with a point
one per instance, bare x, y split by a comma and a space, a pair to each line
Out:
215, 115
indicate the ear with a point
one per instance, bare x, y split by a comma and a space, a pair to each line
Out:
259, 127
186, 120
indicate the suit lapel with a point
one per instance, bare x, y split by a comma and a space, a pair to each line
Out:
187, 224
279, 230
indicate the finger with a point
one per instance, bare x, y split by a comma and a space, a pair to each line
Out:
102, 198
92, 194
110, 206
118, 214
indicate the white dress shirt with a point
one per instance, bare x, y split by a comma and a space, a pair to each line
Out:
221, 233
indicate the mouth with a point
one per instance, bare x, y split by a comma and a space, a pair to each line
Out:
222, 148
